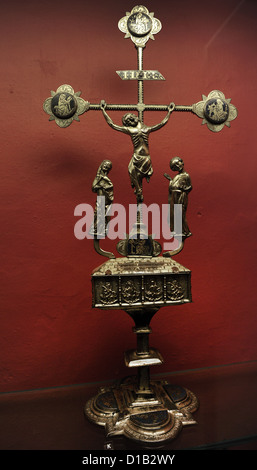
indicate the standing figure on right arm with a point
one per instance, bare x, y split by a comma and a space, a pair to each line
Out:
179, 188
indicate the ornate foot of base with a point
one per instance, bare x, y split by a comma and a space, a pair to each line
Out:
157, 416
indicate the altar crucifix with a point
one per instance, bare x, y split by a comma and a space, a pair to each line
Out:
65, 105
141, 281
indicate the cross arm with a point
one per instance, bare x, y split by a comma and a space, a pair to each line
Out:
65, 105
138, 107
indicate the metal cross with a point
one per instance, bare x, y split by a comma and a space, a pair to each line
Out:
64, 106
144, 410
139, 25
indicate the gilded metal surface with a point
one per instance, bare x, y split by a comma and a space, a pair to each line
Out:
140, 265
141, 281
140, 166
179, 188
139, 25
133, 247
102, 186
216, 110
140, 75
150, 358
156, 417
65, 105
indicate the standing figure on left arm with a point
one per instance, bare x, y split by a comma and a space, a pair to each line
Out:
103, 186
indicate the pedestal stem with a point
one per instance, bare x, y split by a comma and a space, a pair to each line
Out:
142, 343
143, 373
144, 379
143, 356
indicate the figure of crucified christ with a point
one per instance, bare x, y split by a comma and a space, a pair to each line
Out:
140, 165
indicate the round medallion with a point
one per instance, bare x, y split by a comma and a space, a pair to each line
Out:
151, 419
64, 105
216, 110
139, 24
106, 402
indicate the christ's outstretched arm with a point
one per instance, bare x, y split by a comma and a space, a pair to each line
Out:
165, 120
109, 120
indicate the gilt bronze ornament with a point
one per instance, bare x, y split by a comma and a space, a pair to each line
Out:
140, 165
140, 281
103, 186
65, 105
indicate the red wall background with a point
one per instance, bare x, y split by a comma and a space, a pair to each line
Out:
50, 335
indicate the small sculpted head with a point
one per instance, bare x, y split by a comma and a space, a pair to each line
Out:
176, 164
130, 120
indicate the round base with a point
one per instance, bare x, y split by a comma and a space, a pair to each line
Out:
154, 416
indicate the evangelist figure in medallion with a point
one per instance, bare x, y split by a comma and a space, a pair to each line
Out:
64, 106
